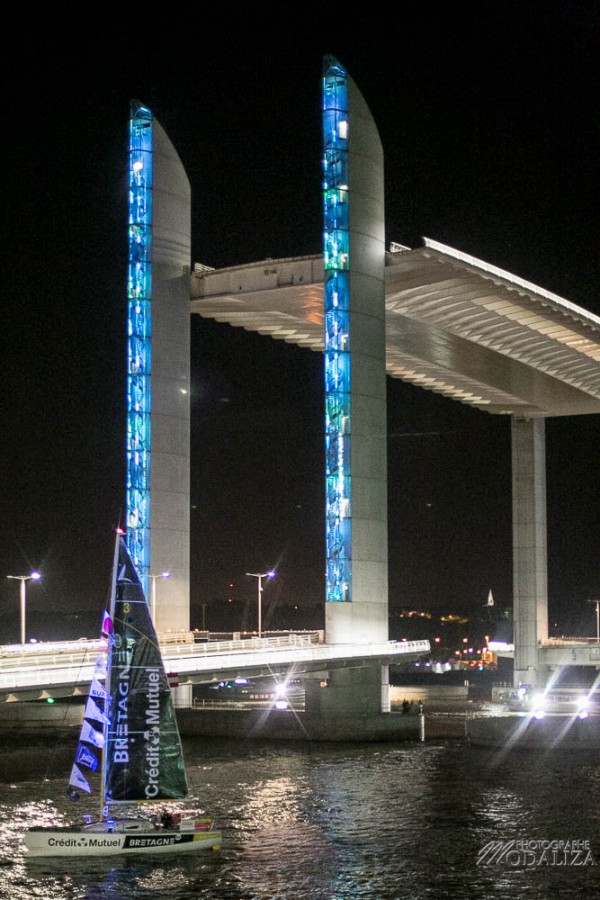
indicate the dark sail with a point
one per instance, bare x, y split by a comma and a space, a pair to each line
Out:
144, 759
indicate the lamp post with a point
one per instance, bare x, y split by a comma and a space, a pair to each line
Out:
597, 602
269, 574
35, 576
164, 574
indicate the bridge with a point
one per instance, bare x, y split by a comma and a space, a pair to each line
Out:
65, 669
555, 653
433, 316
460, 327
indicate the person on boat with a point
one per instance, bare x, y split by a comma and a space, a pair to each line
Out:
166, 820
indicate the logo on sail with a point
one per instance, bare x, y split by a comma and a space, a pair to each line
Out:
152, 734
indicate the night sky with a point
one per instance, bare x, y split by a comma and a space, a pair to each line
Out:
488, 119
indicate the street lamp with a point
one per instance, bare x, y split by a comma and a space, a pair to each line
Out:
597, 602
164, 574
35, 576
269, 574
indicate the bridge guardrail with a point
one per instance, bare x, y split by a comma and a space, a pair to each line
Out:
18, 657
63, 669
79, 664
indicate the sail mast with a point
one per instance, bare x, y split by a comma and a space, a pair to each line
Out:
111, 612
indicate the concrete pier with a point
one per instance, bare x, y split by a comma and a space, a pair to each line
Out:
289, 725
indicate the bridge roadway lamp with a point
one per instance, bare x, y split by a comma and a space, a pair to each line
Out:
35, 576
270, 574
597, 602
164, 574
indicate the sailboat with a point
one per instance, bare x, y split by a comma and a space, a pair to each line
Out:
129, 743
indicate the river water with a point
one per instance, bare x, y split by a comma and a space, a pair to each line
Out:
438, 819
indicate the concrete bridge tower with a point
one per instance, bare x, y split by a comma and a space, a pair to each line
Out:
158, 374
356, 597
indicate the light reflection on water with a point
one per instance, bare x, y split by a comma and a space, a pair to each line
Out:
330, 822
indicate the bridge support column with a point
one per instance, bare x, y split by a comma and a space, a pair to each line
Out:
350, 693
170, 466
356, 607
530, 561
182, 696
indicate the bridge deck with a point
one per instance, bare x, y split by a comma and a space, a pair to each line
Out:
68, 668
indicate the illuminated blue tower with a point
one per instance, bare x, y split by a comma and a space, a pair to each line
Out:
355, 387
158, 373
139, 332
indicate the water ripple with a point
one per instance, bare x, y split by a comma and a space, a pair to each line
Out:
327, 822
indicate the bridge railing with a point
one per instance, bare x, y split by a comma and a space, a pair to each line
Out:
61, 669
74, 655
84, 656
559, 642
210, 648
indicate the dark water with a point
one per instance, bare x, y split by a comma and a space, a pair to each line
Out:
333, 822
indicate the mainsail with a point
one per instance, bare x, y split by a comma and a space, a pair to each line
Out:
143, 754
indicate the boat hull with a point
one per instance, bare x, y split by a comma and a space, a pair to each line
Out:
45, 842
